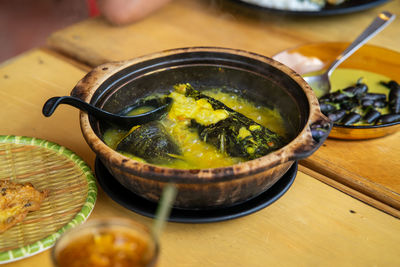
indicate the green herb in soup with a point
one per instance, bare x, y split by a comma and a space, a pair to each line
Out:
230, 131
203, 130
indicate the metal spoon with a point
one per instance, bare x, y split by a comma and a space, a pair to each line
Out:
321, 82
161, 106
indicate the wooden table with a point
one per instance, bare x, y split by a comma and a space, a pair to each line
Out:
214, 23
313, 224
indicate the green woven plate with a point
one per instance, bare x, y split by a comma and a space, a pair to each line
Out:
71, 198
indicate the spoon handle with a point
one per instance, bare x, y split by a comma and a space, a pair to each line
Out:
160, 108
51, 105
379, 23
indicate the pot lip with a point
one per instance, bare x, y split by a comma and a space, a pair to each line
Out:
155, 172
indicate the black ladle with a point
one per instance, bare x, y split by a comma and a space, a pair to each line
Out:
161, 106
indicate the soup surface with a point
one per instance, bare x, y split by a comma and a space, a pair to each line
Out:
195, 152
344, 77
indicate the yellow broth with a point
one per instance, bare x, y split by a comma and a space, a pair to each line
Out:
344, 77
197, 154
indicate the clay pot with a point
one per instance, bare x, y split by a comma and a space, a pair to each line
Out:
114, 86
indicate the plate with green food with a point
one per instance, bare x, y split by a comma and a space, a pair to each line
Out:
312, 7
364, 101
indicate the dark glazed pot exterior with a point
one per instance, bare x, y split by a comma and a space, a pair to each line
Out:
113, 86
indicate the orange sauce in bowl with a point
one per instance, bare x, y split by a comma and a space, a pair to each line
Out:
106, 248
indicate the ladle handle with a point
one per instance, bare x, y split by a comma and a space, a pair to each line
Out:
50, 106
160, 108
378, 24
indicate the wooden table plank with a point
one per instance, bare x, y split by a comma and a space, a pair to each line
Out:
312, 224
214, 23
26, 83
369, 166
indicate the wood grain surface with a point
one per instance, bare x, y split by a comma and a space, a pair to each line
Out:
26, 83
214, 23
368, 166
311, 225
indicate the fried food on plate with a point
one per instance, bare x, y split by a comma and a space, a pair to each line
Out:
16, 200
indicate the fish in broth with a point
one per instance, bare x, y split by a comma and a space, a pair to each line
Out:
203, 130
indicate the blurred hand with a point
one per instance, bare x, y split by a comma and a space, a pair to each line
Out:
121, 12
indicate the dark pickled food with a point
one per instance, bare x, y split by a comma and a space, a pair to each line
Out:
379, 104
357, 90
371, 116
335, 97
388, 118
351, 118
327, 107
394, 96
336, 115
348, 105
367, 103
150, 142
373, 97
233, 133
354, 105
394, 100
